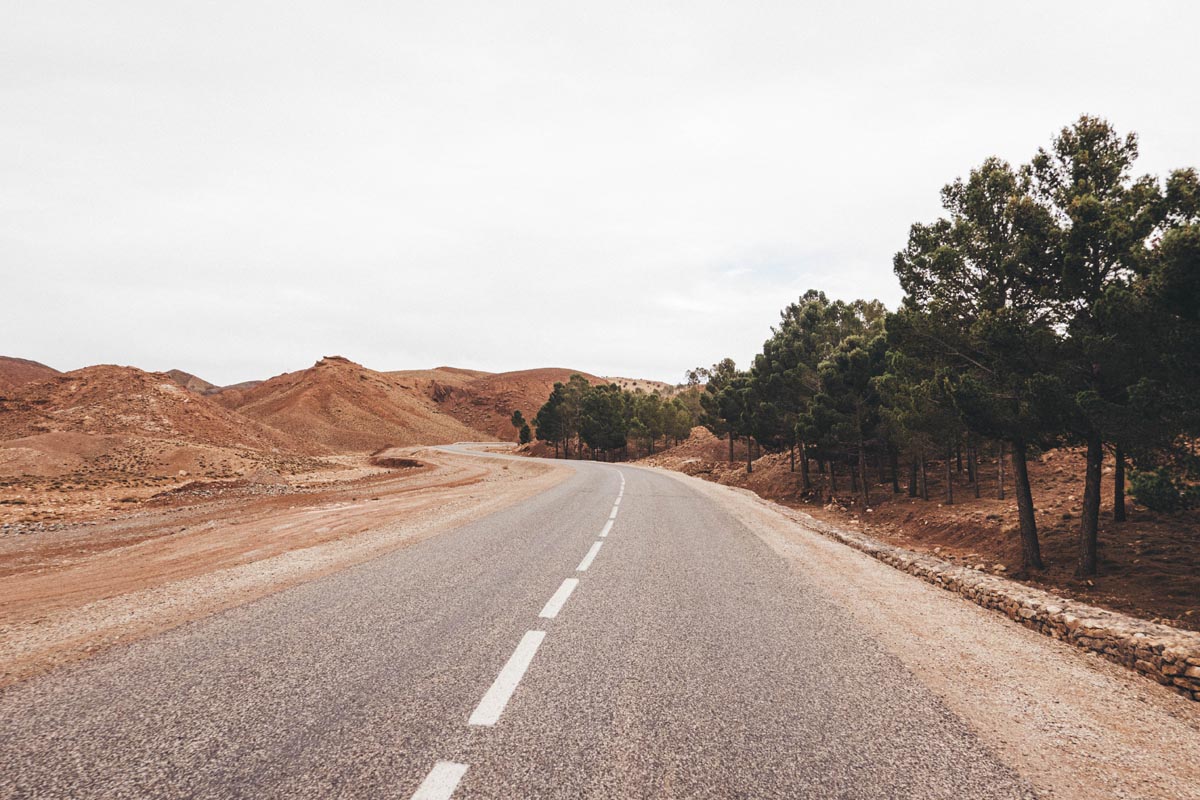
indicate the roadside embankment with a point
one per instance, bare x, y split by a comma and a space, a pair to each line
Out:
1165, 654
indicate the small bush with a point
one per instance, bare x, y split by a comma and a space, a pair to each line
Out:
1159, 491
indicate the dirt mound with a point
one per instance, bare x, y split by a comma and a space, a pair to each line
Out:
17, 372
486, 402
124, 401
104, 426
346, 407
697, 451
190, 382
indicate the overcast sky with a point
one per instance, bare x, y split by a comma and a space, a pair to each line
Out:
236, 189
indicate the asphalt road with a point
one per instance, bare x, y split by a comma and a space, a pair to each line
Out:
687, 661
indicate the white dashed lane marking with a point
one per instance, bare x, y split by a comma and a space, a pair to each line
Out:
492, 705
559, 598
441, 781
587, 560
607, 527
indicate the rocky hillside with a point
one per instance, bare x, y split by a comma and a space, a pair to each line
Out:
17, 372
345, 407
486, 402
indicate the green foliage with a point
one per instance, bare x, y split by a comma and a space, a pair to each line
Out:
605, 418
1056, 302
525, 436
1158, 490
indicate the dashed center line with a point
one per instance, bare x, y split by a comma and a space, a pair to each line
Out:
492, 705
587, 560
556, 601
441, 781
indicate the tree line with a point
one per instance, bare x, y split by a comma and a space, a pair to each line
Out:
603, 420
1056, 303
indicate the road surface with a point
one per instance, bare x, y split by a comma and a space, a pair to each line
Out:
618, 636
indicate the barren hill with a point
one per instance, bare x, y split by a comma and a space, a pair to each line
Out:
349, 408
192, 383
437, 383
16, 372
486, 402
111, 421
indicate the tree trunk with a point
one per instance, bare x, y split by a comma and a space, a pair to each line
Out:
832, 478
912, 477
804, 467
949, 476
958, 455
1089, 520
731, 448
853, 470
749, 457
973, 469
1119, 487
894, 458
1000, 473
924, 480
1031, 551
862, 474
792, 458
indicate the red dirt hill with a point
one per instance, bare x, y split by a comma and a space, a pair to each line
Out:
190, 382
486, 402
110, 423
349, 408
17, 372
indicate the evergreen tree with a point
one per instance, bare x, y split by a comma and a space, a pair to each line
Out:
976, 324
848, 405
1105, 219
718, 377
549, 422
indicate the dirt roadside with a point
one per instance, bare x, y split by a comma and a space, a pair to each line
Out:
72, 592
1074, 725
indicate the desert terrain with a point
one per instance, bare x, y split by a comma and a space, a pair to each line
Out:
322, 508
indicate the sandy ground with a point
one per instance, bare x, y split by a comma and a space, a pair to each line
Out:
1073, 724
71, 592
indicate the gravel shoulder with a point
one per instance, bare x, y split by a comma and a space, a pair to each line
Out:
71, 593
1071, 723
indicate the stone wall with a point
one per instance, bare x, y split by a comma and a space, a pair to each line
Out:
1164, 654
